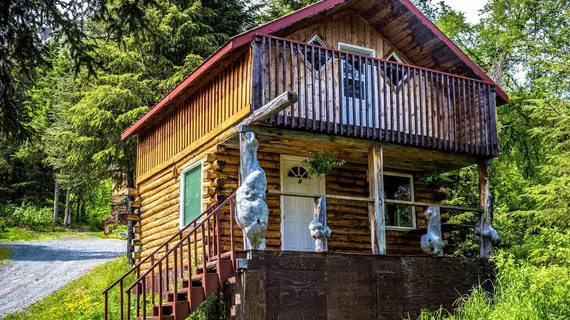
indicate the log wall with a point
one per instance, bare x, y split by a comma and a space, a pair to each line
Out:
199, 114
348, 220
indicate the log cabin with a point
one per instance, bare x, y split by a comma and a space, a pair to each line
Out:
224, 198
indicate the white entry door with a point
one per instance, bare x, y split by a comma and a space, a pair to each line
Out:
297, 213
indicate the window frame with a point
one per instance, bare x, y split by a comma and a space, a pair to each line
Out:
413, 199
395, 86
322, 44
363, 51
181, 188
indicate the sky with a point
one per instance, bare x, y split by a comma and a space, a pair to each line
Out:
469, 7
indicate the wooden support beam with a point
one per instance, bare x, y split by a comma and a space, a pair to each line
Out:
376, 208
280, 103
484, 229
428, 204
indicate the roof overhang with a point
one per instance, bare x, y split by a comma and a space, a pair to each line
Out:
288, 22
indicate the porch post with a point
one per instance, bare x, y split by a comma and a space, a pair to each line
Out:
252, 213
484, 231
376, 207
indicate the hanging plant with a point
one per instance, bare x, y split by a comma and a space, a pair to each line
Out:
320, 163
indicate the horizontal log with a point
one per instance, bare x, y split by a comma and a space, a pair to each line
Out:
316, 195
132, 192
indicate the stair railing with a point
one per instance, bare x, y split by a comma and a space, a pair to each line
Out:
151, 258
190, 257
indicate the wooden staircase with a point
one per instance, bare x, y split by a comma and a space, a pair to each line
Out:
180, 274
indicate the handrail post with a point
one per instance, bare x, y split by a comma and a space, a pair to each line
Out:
258, 62
232, 236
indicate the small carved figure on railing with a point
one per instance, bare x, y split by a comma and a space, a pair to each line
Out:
320, 231
252, 212
432, 242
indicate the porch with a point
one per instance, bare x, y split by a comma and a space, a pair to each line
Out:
361, 220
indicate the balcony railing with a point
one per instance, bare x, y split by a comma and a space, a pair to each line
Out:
345, 93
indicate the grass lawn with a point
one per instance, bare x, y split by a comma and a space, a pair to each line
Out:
81, 299
18, 234
4, 255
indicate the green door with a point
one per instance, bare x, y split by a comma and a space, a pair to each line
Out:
192, 193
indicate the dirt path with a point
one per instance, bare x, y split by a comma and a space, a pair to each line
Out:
42, 267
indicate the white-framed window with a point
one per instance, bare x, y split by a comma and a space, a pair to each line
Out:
396, 78
356, 84
190, 193
322, 61
399, 186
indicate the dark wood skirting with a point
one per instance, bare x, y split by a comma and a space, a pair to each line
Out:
298, 285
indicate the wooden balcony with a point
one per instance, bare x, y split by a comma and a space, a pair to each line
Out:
348, 94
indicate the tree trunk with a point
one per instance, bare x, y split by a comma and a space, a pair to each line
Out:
131, 224
78, 209
67, 218
56, 203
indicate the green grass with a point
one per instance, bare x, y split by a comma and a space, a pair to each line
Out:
17, 234
523, 292
4, 255
81, 299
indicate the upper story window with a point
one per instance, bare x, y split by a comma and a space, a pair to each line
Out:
322, 61
396, 78
399, 186
356, 73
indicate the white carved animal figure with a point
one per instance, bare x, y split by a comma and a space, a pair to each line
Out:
320, 231
432, 242
252, 213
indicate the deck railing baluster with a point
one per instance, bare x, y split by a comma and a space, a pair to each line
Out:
377, 99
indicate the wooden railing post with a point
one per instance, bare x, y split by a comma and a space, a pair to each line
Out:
376, 207
258, 72
484, 231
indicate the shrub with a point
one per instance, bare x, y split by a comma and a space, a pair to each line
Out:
33, 217
2, 225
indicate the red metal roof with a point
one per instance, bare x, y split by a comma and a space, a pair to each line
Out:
278, 24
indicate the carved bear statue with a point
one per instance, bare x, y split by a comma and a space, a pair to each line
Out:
252, 213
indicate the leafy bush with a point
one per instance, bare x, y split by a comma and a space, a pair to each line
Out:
32, 217
2, 225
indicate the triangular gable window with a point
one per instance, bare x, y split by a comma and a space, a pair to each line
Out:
396, 78
317, 41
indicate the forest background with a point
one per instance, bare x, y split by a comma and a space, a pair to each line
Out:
74, 74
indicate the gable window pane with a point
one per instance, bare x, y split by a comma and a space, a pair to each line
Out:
399, 187
192, 194
396, 78
322, 60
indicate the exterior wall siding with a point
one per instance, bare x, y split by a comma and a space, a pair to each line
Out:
197, 115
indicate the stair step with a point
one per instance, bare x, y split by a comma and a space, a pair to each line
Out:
182, 309
157, 318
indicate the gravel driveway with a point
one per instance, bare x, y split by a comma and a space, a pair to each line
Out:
38, 268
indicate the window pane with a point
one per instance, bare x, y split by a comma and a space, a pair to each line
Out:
192, 194
398, 188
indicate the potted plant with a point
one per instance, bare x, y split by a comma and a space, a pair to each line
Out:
320, 163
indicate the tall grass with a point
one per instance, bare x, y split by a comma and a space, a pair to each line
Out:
523, 291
